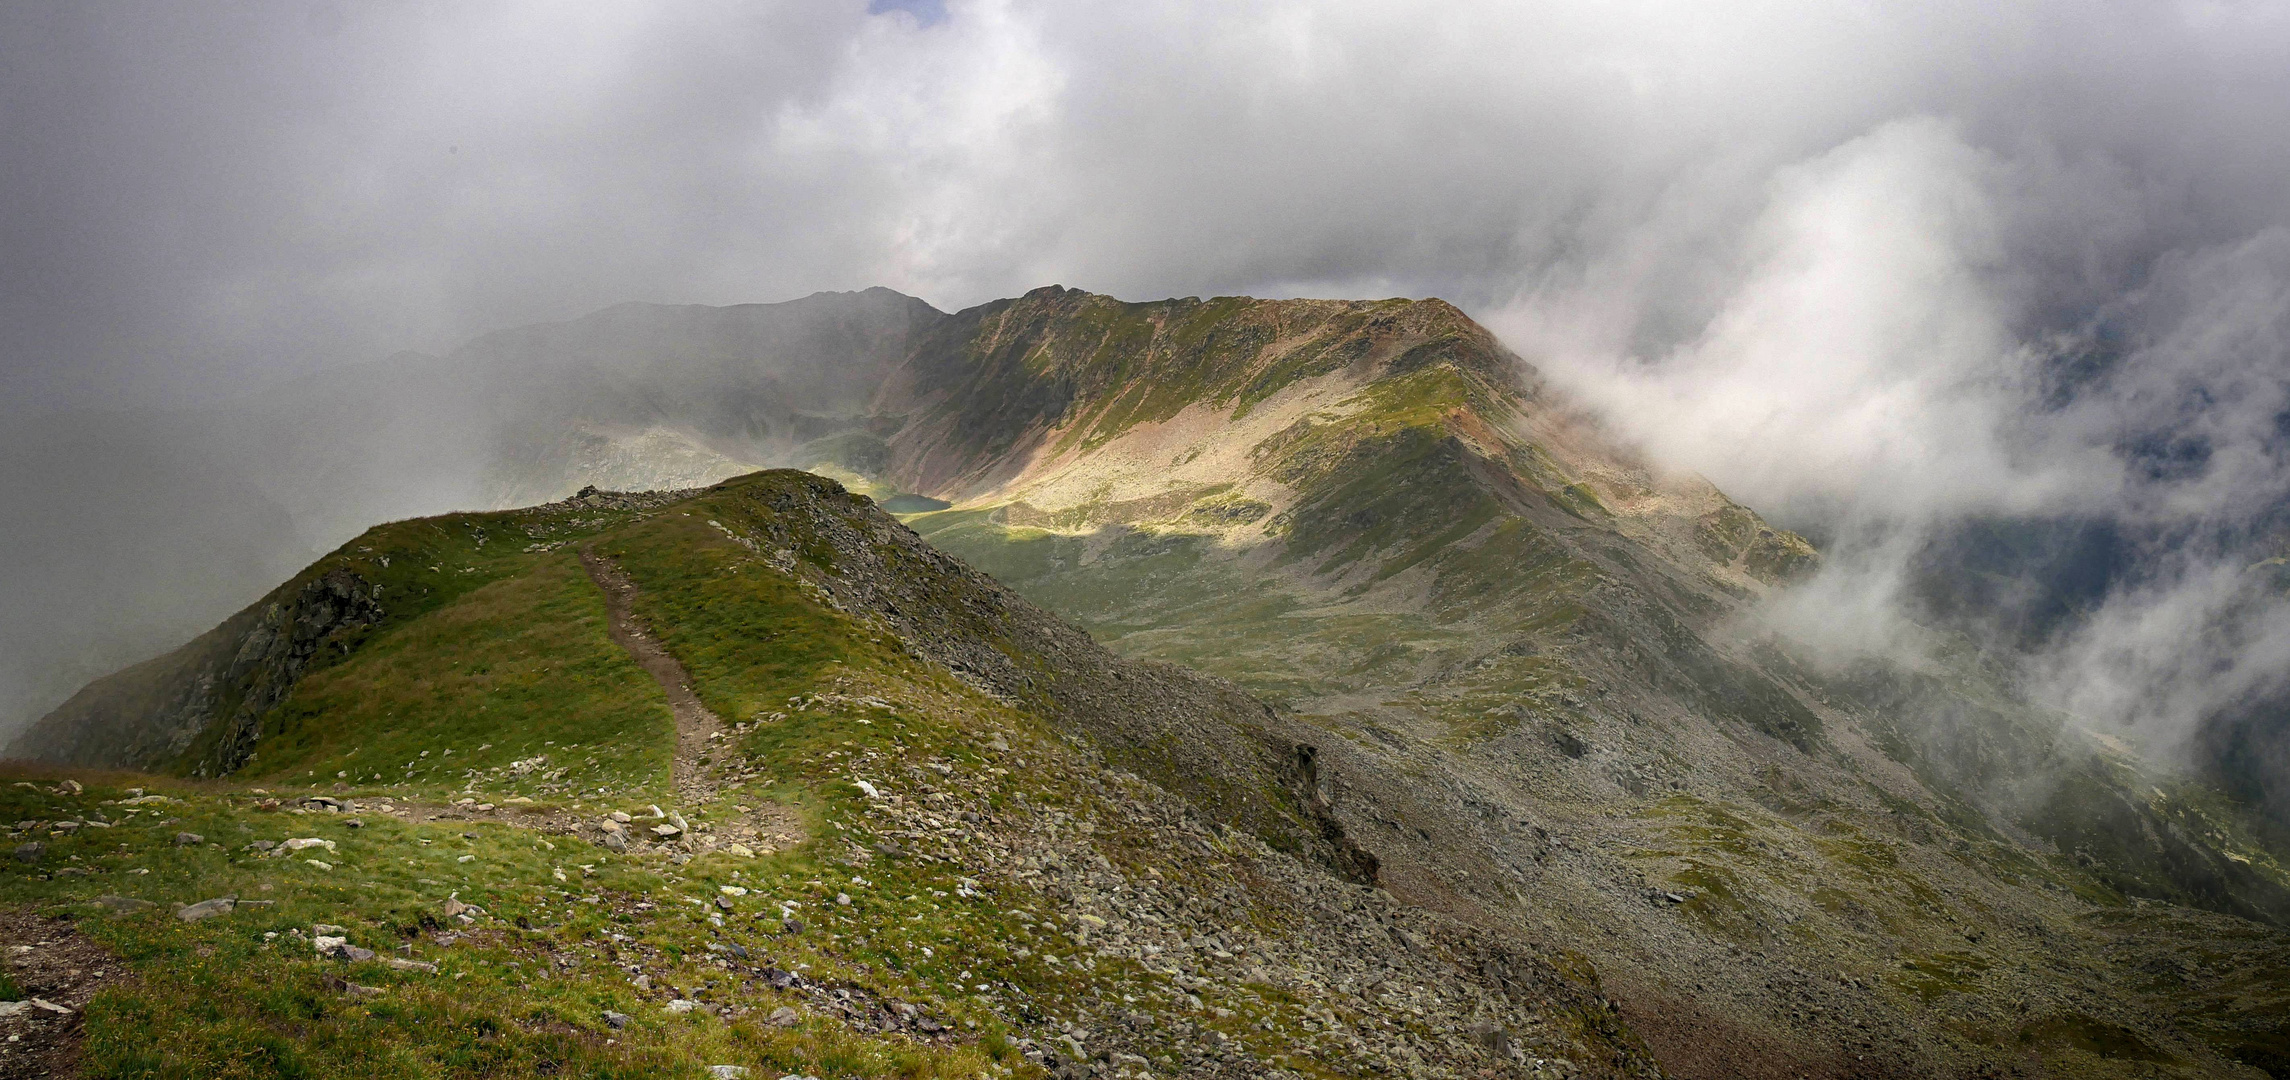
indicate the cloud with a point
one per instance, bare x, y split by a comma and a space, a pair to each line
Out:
1881, 269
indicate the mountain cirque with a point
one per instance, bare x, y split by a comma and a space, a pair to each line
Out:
1490, 765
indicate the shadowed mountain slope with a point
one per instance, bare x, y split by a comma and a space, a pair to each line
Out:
1516, 678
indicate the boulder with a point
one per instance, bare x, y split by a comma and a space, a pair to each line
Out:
220, 905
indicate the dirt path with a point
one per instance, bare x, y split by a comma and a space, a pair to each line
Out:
763, 828
56, 970
694, 723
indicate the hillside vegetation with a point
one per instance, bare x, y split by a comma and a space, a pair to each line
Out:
1377, 698
925, 839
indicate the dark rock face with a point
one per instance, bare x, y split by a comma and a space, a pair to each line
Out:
274, 654
211, 695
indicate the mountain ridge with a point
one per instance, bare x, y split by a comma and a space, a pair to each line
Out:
1537, 699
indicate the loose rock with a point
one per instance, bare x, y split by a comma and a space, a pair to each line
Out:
220, 905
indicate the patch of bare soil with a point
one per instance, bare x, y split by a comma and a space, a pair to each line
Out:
56, 971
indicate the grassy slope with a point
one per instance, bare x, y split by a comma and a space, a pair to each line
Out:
497, 674
512, 652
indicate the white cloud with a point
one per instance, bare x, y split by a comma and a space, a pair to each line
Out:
1836, 256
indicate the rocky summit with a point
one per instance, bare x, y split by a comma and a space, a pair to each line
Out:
1216, 687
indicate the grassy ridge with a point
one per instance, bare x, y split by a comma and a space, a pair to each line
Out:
494, 675
974, 917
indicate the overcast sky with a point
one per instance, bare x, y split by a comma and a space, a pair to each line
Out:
198, 194
1850, 256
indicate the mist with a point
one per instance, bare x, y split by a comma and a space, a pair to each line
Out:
1938, 284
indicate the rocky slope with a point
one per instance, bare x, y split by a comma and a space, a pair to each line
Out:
1553, 709
1538, 702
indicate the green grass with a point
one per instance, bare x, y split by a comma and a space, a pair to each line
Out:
495, 675
515, 661
522, 994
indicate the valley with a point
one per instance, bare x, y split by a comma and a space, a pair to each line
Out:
1290, 688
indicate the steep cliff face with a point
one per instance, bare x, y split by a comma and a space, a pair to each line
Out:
212, 693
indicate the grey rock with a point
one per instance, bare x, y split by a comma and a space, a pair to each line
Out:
123, 905
189, 839
784, 1016
32, 852
220, 905
616, 1020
